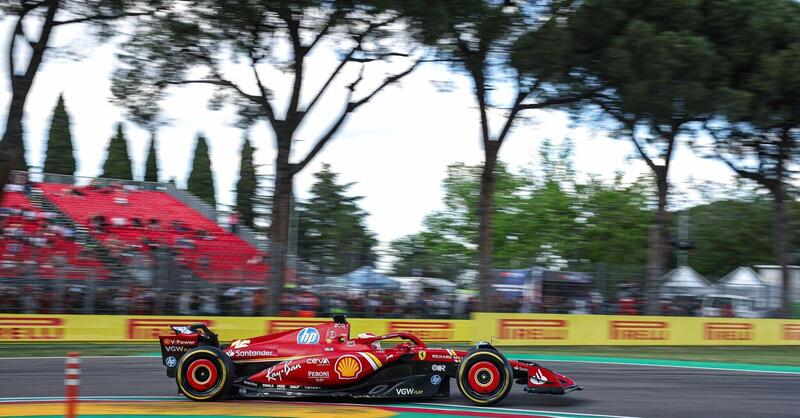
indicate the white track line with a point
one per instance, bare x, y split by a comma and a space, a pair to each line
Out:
410, 405
535, 411
722, 369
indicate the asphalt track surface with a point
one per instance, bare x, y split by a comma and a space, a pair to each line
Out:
611, 389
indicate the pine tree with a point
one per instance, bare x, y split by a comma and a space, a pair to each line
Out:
118, 163
59, 156
332, 230
246, 186
151, 166
201, 179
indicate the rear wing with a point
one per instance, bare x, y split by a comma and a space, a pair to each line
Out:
173, 347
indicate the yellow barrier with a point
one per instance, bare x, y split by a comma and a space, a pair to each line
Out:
501, 329
119, 328
527, 329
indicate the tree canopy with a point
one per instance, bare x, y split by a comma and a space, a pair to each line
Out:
240, 48
34, 23
332, 233
545, 218
484, 40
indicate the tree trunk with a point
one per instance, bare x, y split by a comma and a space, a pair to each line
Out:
485, 248
11, 146
782, 226
658, 244
279, 228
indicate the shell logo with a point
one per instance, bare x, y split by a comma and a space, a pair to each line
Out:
348, 367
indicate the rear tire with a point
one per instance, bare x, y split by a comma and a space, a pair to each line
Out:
204, 374
484, 376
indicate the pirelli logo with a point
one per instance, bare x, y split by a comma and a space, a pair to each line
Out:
429, 331
728, 331
639, 330
791, 332
289, 324
151, 328
38, 328
534, 329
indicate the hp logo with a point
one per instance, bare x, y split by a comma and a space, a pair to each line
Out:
436, 379
308, 336
171, 362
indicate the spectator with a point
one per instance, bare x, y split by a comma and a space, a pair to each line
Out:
233, 222
184, 303
74, 191
179, 226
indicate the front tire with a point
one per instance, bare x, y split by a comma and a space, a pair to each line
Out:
204, 374
484, 376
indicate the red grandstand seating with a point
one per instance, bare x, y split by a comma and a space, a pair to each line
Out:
78, 263
224, 259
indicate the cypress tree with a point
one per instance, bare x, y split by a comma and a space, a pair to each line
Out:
201, 179
118, 163
246, 186
151, 166
59, 156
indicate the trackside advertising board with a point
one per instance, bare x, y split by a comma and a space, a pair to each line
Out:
530, 329
500, 329
122, 328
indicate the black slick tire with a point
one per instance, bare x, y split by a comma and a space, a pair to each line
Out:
204, 374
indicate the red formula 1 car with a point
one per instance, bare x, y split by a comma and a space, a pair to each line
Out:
323, 361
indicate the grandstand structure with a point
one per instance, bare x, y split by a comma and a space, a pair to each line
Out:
120, 230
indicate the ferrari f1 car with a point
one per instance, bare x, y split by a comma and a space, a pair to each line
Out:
323, 361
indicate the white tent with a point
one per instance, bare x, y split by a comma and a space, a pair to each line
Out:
685, 280
744, 281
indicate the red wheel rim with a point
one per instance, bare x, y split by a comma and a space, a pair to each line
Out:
484, 377
201, 375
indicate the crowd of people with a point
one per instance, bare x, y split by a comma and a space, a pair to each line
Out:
35, 244
234, 301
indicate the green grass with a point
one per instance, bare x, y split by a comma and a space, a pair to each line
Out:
772, 355
89, 349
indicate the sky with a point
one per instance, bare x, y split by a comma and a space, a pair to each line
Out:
396, 148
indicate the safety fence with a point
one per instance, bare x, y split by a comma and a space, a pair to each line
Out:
500, 329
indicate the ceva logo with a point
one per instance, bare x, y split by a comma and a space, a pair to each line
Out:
308, 336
